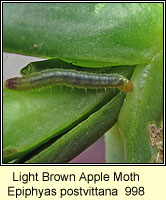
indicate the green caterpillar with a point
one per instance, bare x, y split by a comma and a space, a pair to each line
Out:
70, 78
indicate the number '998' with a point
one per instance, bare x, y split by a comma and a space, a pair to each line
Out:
134, 191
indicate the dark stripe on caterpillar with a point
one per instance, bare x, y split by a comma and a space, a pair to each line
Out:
70, 78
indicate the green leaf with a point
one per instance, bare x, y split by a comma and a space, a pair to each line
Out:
75, 141
91, 34
142, 107
33, 117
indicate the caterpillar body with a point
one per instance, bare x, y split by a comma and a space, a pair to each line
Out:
70, 78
